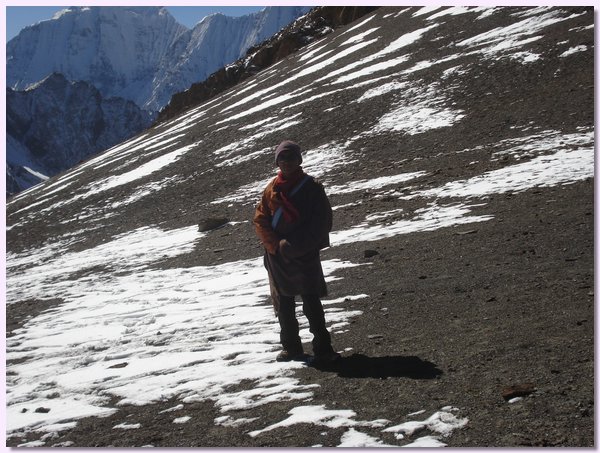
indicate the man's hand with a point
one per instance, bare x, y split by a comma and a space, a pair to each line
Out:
285, 249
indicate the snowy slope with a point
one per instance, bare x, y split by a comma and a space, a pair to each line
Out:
146, 308
137, 53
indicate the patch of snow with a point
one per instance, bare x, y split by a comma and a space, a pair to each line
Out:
425, 10
227, 420
381, 90
573, 50
371, 69
36, 174
563, 167
356, 439
526, 57
442, 423
427, 219
375, 183
140, 171
181, 420
506, 39
149, 319
455, 11
359, 37
417, 118
128, 426
360, 24
172, 409
319, 415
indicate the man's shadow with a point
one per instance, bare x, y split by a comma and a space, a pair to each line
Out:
361, 366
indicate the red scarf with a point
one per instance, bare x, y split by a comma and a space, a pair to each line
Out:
284, 187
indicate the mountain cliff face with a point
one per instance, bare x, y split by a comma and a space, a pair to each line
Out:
137, 53
56, 124
456, 146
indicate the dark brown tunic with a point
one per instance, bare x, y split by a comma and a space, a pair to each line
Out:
302, 272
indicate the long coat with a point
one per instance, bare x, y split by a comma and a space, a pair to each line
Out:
301, 273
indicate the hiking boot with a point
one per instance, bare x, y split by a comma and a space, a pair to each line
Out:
287, 356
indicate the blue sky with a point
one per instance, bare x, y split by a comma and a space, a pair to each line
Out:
18, 17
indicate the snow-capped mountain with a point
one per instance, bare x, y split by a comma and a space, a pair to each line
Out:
456, 145
137, 53
56, 123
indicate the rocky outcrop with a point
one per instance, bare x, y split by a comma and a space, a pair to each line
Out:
319, 22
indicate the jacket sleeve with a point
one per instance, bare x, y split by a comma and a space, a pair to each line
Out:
316, 234
262, 225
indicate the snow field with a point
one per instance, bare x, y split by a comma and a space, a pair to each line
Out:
149, 335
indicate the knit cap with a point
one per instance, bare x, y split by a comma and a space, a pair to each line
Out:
288, 145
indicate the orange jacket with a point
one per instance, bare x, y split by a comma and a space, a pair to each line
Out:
310, 233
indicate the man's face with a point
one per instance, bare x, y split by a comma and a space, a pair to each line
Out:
288, 162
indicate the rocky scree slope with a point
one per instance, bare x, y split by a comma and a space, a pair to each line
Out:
456, 145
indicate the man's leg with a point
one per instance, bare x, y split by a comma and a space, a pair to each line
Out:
313, 310
289, 334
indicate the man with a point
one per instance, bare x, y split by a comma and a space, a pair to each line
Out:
293, 221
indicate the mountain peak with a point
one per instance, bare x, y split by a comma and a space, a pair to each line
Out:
136, 52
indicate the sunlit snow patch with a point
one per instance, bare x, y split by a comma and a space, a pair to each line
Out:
127, 252
373, 184
504, 41
426, 219
421, 109
573, 50
441, 423
417, 118
563, 167
356, 439
148, 335
141, 170
319, 415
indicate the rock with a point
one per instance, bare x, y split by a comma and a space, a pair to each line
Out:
371, 253
119, 365
42, 410
513, 391
212, 223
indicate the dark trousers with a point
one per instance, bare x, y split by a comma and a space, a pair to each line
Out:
313, 310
